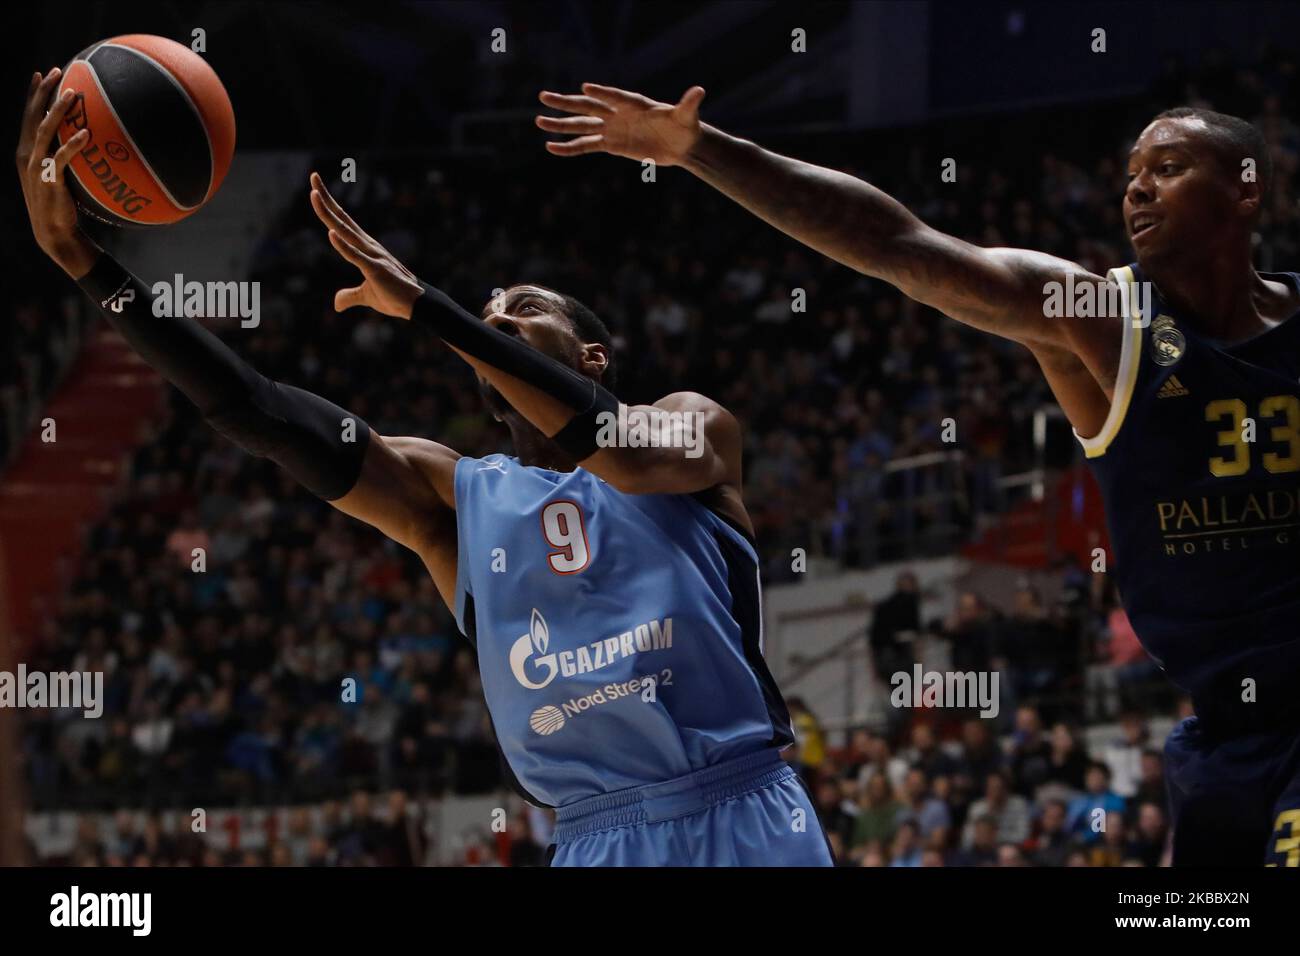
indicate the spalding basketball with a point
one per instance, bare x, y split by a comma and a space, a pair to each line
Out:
162, 132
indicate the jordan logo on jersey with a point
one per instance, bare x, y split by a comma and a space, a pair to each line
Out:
529, 658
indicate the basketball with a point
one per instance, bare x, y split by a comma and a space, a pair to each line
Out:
162, 131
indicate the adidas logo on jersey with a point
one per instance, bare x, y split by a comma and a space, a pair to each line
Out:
1172, 388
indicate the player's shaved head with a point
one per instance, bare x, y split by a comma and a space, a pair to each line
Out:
1194, 196
1232, 139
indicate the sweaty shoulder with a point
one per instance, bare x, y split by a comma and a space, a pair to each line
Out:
714, 421
1102, 311
1285, 295
691, 401
725, 440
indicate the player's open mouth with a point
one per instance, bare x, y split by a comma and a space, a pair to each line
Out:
1142, 224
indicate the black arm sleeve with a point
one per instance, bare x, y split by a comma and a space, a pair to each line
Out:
457, 327
317, 442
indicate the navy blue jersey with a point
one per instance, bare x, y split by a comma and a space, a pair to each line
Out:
1204, 509
619, 636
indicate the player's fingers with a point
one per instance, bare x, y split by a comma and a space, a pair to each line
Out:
350, 252
23, 148
38, 96
28, 110
576, 147
322, 211
689, 105
68, 150
571, 103
333, 221
345, 299
570, 124
50, 125
329, 210
337, 209
614, 96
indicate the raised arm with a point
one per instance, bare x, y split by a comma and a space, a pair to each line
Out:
996, 290
391, 483
403, 487
699, 445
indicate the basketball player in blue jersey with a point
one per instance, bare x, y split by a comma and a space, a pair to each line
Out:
611, 591
1186, 398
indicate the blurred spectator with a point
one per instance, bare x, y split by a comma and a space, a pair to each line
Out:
982, 850
1090, 813
930, 814
906, 848
1052, 841
1009, 810
877, 813
1030, 752
895, 625
1146, 843
1151, 782
835, 811
1067, 764
1124, 756
810, 743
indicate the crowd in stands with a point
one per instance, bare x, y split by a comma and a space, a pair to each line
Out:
364, 829
225, 683
1036, 797
38, 340
1024, 786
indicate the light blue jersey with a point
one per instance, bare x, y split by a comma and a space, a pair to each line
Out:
619, 637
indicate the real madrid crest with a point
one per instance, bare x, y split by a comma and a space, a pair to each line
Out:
1167, 341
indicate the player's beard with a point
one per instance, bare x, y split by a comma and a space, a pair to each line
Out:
496, 402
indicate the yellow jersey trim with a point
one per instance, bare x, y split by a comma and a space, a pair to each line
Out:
1125, 380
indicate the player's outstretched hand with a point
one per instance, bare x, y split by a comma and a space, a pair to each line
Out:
388, 286
609, 120
50, 206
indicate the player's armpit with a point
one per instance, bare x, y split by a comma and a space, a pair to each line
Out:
1083, 401
682, 444
406, 490
1069, 317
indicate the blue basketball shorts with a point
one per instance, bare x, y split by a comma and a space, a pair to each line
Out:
749, 811
1234, 800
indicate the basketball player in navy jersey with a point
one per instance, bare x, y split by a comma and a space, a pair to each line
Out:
611, 590
1187, 403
